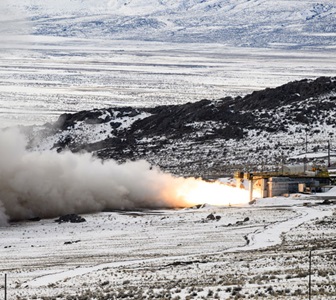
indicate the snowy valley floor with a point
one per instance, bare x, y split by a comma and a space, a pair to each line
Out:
46, 76
253, 252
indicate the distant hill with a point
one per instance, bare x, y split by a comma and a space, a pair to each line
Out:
258, 131
249, 23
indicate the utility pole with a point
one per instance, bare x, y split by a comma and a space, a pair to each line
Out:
5, 286
309, 284
305, 158
329, 164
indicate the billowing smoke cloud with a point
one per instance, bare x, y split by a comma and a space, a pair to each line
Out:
49, 184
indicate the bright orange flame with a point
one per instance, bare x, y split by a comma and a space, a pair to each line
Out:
196, 191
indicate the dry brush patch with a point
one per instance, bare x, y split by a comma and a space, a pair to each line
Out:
277, 272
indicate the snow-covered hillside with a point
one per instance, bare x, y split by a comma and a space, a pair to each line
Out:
258, 132
235, 22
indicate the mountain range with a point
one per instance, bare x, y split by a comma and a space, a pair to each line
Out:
248, 23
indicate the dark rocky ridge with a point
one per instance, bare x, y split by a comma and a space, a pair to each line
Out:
212, 135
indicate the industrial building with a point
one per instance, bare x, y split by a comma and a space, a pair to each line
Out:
272, 184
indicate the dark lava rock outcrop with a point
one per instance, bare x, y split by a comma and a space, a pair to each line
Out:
70, 218
216, 136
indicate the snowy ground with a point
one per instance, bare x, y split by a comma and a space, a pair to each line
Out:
252, 252
42, 77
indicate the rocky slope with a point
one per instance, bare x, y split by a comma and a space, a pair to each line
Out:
261, 130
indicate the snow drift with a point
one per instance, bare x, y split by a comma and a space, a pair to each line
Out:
49, 184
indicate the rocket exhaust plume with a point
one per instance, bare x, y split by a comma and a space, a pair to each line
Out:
49, 184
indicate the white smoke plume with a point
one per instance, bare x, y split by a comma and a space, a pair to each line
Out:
50, 184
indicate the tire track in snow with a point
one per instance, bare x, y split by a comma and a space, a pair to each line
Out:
271, 235
262, 238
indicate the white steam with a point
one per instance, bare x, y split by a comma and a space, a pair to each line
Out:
48, 184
